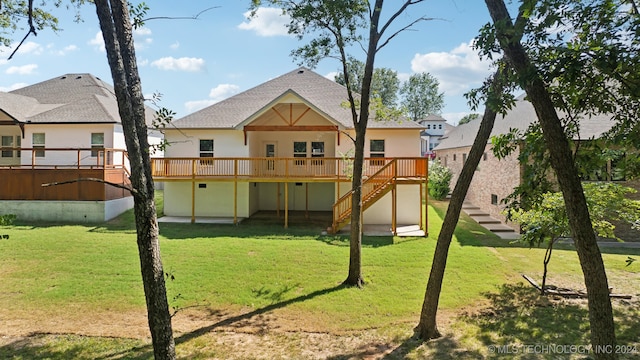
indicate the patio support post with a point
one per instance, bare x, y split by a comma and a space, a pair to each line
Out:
306, 209
235, 191
394, 201
193, 191
278, 200
286, 205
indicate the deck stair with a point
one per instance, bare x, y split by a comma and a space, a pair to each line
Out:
373, 189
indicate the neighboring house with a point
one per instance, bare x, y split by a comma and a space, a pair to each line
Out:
58, 130
284, 146
435, 127
495, 179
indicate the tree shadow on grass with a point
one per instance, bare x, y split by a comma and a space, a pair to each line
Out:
519, 315
32, 348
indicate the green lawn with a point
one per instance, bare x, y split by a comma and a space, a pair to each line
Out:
57, 277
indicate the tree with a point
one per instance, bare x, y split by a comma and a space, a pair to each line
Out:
421, 96
117, 32
600, 311
468, 118
335, 25
547, 221
495, 102
384, 84
115, 24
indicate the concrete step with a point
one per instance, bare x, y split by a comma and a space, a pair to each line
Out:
498, 228
475, 212
485, 219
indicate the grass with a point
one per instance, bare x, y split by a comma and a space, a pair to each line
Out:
282, 289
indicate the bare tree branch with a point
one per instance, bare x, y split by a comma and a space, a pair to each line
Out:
32, 29
131, 190
195, 17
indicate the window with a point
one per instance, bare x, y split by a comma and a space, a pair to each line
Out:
300, 151
428, 126
206, 151
484, 157
440, 126
97, 142
376, 150
206, 148
464, 158
38, 141
317, 151
494, 199
454, 157
7, 142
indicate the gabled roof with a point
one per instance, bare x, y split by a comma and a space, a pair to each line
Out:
70, 98
520, 117
321, 94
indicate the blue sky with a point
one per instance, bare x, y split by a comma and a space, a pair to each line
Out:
195, 63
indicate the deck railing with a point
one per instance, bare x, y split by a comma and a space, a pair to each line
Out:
285, 168
63, 158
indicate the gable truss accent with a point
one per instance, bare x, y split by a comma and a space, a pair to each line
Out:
290, 122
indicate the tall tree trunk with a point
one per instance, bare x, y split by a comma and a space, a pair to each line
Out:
360, 122
595, 277
427, 327
117, 32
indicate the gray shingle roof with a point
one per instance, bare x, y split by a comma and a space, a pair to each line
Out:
319, 93
520, 117
70, 98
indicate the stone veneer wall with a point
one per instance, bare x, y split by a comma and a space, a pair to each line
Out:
492, 177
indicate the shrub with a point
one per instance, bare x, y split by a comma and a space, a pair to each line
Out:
7, 219
439, 179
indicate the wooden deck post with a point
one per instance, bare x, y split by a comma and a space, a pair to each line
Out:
193, 191
394, 201
278, 200
306, 200
235, 191
286, 205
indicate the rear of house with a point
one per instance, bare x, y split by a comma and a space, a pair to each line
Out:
285, 145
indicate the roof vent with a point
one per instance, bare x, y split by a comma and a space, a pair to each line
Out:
79, 77
300, 71
62, 78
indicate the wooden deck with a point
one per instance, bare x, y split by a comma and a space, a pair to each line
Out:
409, 170
23, 180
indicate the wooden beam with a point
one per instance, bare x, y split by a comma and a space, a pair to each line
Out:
290, 128
301, 116
280, 116
235, 192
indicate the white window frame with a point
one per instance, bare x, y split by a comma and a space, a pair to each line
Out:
38, 145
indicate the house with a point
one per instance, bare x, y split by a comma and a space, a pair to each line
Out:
285, 145
62, 129
435, 128
495, 179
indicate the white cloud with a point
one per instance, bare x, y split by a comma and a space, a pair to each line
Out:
331, 75
175, 45
98, 42
454, 117
67, 49
266, 22
13, 87
143, 31
30, 47
216, 94
196, 105
458, 70
142, 37
21, 70
180, 64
